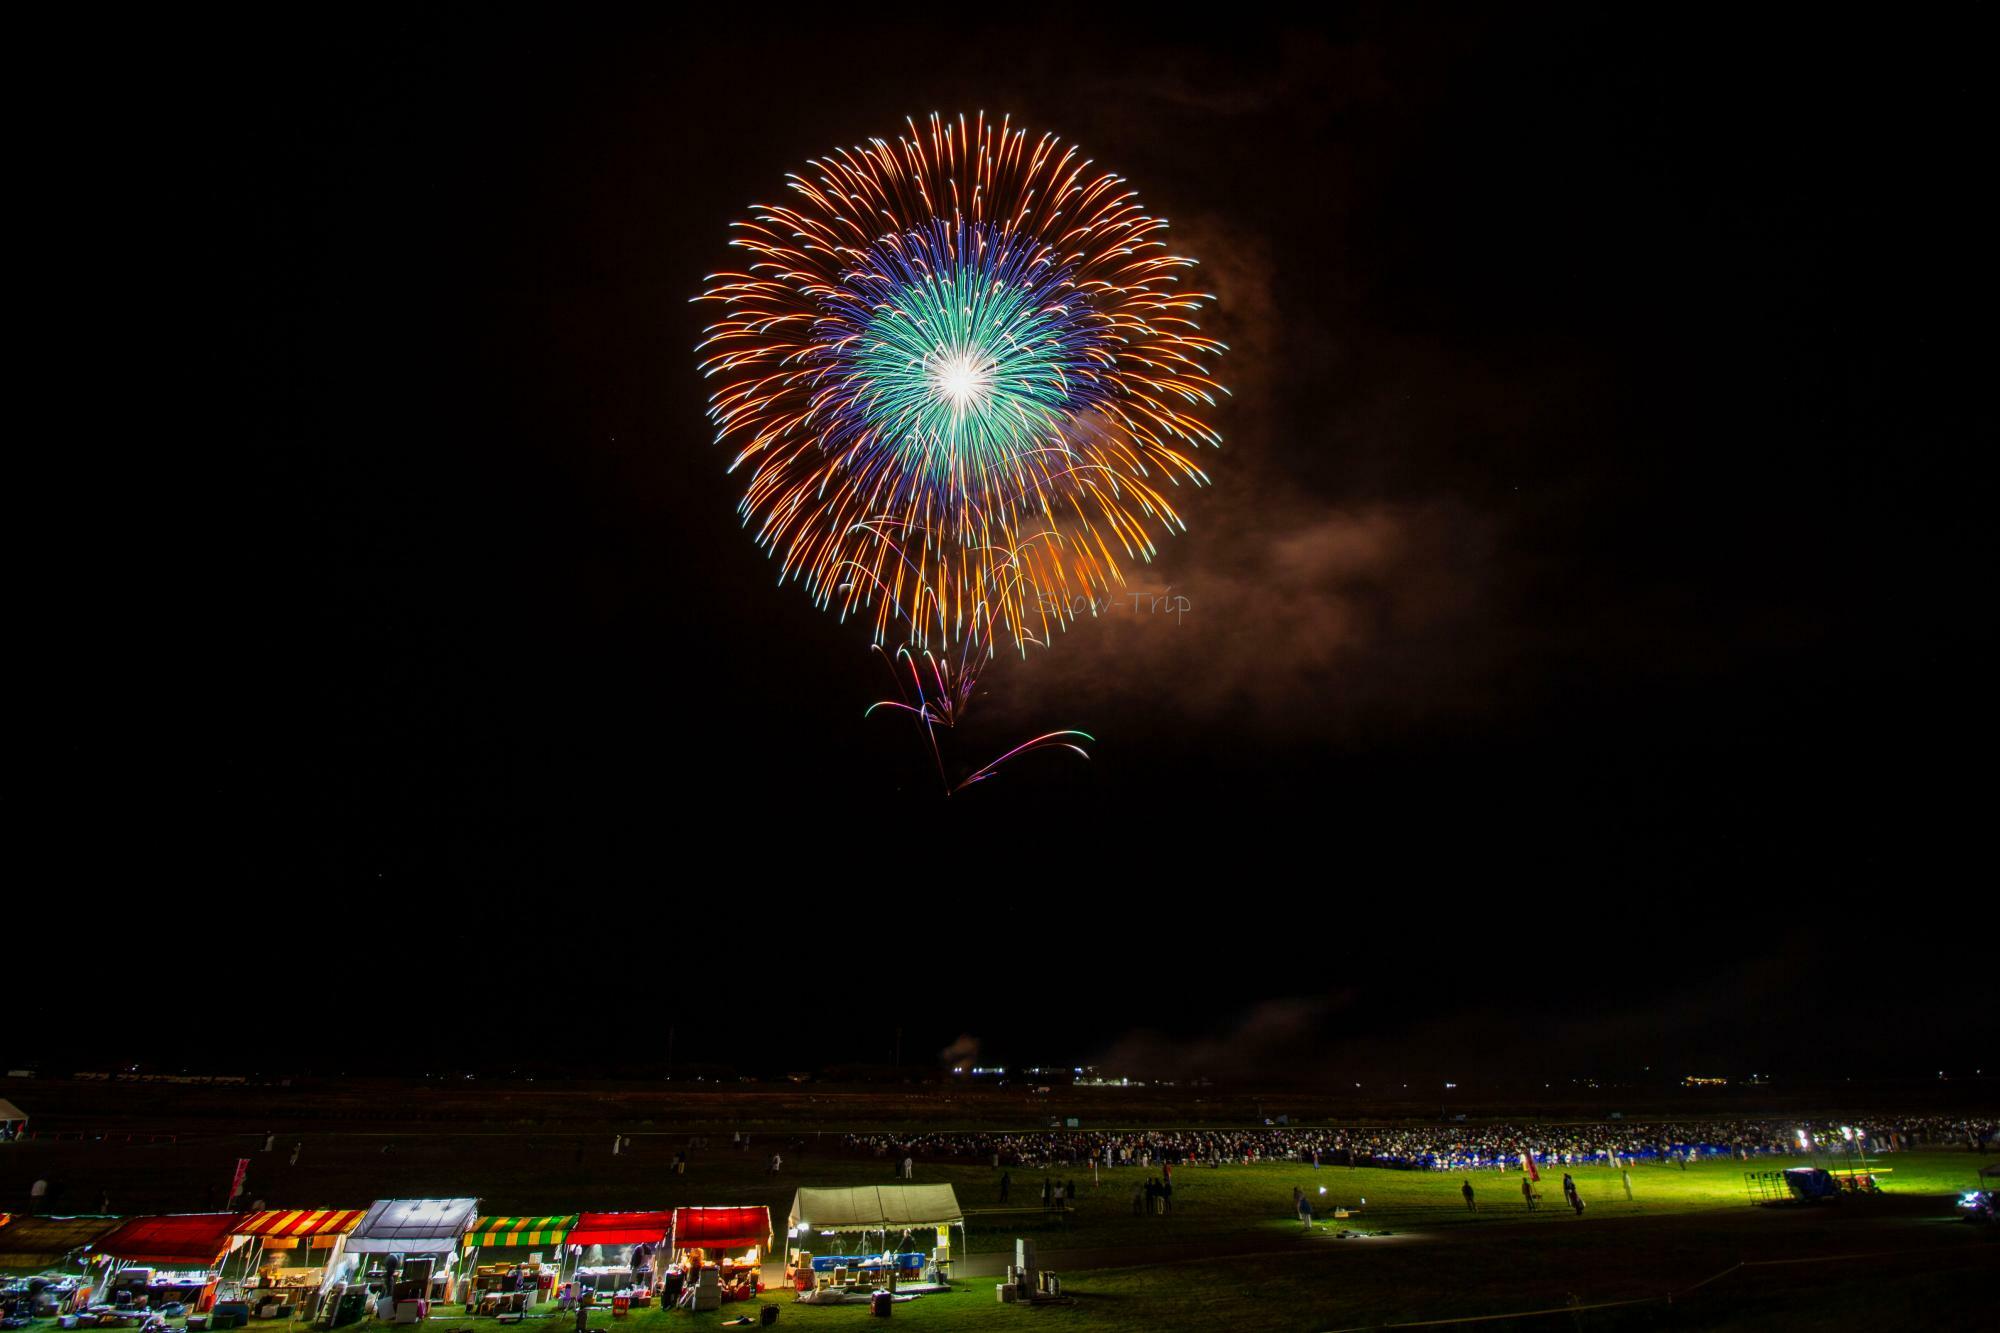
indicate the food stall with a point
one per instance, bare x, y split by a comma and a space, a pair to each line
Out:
734, 1240
172, 1260
513, 1262
850, 1240
289, 1253
405, 1254
618, 1256
47, 1264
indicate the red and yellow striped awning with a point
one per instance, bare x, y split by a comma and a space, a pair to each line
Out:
320, 1225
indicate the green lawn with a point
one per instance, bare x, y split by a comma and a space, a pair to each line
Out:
1230, 1199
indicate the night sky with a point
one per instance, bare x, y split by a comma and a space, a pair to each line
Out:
1582, 618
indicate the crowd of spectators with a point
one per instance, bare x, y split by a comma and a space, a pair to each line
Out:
1454, 1146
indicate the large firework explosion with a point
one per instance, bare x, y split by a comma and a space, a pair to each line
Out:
964, 377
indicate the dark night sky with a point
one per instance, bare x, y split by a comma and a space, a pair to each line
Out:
1587, 574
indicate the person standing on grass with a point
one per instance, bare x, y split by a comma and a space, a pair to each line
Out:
1466, 1190
1626, 1176
1569, 1189
1576, 1202
1305, 1210
1528, 1193
1167, 1196
1006, 1183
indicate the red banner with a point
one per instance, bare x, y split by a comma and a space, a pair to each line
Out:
1528, 1165
236, 1185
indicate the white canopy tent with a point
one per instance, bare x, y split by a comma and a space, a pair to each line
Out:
892, 1210
12, 1120
429, 1231
414, 1226
876, 1208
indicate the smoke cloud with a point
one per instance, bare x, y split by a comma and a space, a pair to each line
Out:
963, 1049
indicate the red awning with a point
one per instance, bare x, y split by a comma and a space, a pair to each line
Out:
722, 1228
620, 1229
198, 1240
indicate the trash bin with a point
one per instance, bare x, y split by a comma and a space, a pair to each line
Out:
768, 1315
621, 1306
880, 1304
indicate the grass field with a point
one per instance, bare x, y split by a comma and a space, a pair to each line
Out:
530, 1173
1304, 1292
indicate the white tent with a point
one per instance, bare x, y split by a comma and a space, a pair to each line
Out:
876, 1208
414, 1226
10, 1112
895, 1211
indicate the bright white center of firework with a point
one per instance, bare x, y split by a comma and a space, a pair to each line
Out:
960, 380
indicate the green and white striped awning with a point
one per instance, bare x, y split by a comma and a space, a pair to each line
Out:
521, 1230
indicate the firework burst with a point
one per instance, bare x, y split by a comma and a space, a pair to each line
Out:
964, 378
